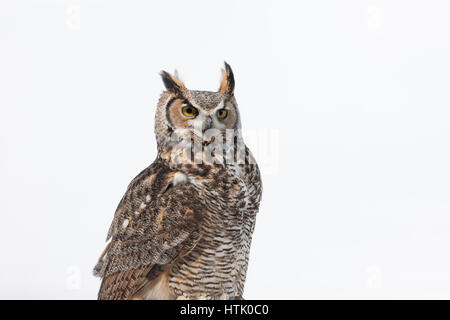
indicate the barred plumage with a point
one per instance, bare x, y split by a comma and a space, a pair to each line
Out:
184, 226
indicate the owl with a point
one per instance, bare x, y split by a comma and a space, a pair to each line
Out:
184, 227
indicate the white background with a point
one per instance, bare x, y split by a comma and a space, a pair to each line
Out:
346, 106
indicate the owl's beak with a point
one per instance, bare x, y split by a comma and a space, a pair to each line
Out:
208, 123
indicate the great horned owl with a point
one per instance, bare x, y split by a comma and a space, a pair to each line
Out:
184, 226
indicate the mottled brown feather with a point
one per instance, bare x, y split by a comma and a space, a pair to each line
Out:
150, 238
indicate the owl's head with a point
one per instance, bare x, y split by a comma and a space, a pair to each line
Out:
193, 112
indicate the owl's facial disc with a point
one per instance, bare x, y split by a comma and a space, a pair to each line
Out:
183, 114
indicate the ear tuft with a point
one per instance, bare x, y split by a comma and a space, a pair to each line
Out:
172, 83
227, 83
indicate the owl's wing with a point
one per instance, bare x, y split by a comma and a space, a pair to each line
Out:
157, 221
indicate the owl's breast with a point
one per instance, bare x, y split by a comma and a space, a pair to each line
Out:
217, 265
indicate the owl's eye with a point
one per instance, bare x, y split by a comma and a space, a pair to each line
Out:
222, 114
189, 111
